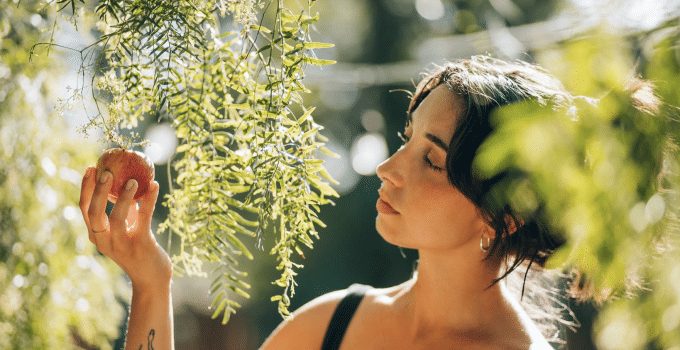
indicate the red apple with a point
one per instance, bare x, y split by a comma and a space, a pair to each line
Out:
126, 164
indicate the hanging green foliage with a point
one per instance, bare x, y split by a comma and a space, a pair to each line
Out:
228, 75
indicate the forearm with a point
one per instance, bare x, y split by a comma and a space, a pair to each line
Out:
151, 323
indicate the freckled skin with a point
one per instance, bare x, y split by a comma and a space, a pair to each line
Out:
124, 165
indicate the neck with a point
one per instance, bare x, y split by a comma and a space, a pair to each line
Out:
449, 294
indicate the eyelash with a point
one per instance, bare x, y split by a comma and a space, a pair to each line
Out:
428, 162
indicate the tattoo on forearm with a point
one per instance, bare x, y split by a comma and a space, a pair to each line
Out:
149, 345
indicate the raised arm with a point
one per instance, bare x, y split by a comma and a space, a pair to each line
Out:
125, 236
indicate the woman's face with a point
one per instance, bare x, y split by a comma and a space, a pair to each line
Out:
427, 211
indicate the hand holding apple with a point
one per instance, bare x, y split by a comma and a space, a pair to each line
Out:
124, 165
126, 178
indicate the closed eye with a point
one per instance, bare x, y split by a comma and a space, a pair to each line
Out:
427, 160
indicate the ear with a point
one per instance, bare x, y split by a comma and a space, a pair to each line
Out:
487, 229
512, 224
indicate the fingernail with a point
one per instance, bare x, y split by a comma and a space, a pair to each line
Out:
87, 173
130, 184
104, 177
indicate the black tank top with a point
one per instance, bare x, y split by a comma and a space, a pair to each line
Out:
343, 315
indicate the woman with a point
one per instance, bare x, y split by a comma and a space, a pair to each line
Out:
429, 200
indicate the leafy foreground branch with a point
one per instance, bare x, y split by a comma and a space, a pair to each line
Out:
247, 158
614, 194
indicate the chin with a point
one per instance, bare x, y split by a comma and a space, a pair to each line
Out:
392, 233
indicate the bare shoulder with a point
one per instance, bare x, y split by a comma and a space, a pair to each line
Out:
306, 327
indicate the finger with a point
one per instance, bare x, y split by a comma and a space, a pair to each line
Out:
86, 190
120, 211
132, 214
97, 209
146, 208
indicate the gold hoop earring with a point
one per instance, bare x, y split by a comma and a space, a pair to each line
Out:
481, 244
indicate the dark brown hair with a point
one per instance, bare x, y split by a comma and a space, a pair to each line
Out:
483, 84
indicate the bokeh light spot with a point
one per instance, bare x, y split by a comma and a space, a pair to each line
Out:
162, 143
340, 167
372, 121
48, 166
367, 152
19, 281
431, 10
70, 212
637, 217
655, 208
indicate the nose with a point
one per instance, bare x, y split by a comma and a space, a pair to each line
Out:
390, 170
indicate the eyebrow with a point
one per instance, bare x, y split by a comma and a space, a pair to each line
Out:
437, 141
434, 139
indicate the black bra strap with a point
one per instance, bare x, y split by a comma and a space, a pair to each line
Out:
342, 316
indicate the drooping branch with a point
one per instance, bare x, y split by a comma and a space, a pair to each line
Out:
246, 164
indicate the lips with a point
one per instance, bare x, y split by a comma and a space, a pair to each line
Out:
384, 207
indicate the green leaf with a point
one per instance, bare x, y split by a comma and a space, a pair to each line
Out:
259, 28
240, 246
219, 309
317, 45
318, 61
306, 115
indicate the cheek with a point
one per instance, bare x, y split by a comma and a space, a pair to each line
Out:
434, 217
446, 217
454, 206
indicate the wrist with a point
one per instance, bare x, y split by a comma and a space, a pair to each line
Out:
152, 288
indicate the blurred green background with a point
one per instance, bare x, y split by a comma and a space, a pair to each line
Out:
381, 47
